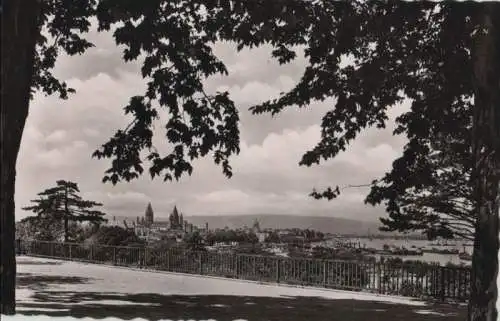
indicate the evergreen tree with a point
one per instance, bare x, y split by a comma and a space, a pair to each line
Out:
62, 203
439, 55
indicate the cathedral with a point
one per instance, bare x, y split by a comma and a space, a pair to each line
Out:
176, 220
149, 215
146, 226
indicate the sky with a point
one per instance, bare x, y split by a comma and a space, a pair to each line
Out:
61, 135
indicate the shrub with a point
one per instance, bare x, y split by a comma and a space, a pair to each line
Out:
411, 288
116, 236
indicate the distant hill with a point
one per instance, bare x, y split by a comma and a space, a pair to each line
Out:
324, 224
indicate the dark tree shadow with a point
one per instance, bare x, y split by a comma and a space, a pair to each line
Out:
29, 262
224, 307
198, 307
41, 282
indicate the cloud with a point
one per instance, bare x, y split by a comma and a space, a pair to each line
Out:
130, 203
91, 132
128, 196
255, 92
278, 151
267, 178
234, 202
231, 196
65, 156
281, 153
60, 137
370, 159
56, 136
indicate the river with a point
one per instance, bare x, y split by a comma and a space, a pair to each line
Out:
442, 259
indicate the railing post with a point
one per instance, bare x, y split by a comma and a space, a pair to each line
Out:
91, 256
168, 260
69, 250
442, 283
114, 255
237, 266
255, 267
18, 246
278, 270
51, 249
379, 277
325, 273
200, 258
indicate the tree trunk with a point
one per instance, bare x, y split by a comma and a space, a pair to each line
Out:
19, 33
486, 174
66, 214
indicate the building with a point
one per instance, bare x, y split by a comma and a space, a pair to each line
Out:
175, 227
149, 215
256, 226
175, 219
261, 236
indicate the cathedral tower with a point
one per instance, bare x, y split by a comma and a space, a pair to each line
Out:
149, 215
174, 219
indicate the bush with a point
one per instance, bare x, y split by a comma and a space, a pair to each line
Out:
412, 289
116, 236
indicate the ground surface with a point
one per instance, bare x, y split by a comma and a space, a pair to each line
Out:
58, 288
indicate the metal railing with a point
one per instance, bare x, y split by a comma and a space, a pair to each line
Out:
403, 279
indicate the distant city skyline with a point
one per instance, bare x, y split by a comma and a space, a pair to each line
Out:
159, 217
319, 223
60, 137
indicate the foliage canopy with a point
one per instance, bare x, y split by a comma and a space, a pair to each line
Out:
397, 51
422, 51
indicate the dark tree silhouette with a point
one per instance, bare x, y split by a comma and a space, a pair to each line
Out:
63, 203
194, 241
439, 55
36, 228
433, 194
116, 236
273, 237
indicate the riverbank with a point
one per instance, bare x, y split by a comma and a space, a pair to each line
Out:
428, 255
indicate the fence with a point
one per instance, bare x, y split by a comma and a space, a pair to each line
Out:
403, 279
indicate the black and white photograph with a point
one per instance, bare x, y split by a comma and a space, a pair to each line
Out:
249, 160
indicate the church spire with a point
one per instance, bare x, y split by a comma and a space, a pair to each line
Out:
149, 215
174, 218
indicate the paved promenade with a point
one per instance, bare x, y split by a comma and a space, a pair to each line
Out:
59, 288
